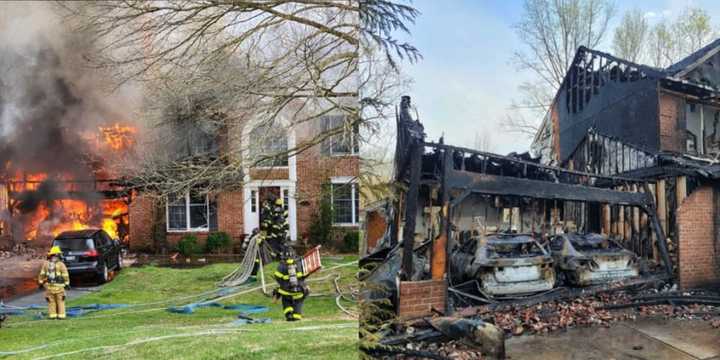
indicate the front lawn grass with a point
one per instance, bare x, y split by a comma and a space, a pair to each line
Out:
150, 332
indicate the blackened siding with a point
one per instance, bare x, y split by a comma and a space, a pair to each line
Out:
627, 110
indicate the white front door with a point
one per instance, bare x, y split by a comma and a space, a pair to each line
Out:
253, 203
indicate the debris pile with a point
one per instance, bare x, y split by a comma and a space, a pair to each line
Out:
21, 250
454, 349
601, 310
551, 316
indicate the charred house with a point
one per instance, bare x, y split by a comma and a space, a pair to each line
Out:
624, 188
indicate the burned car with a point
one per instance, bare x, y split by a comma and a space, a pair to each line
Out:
504, 264
590, 259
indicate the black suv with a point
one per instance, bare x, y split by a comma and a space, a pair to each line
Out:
89, 251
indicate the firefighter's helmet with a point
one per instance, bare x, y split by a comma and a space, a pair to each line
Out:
55, 250
279, 201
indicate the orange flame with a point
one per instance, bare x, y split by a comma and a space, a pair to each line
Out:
73, 214
118, 137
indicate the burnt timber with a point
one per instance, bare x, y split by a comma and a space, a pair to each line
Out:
444, 177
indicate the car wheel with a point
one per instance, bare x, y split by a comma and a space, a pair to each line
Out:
103, 276
119, 260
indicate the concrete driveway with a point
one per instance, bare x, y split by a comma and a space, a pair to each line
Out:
651, 339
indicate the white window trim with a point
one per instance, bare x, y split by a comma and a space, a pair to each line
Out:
281, 167
188, 229
347, 180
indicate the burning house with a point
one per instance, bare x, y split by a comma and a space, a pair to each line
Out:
72, 140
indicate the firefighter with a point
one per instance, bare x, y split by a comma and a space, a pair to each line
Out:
55, 278
275, 226
292, 290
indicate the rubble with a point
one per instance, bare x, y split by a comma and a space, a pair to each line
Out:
22, 250
599, 310
454, 349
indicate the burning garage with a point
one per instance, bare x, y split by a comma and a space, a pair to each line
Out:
62, 143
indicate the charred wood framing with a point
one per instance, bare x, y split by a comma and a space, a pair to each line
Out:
509, 186
411, 206
464, 171
408, 160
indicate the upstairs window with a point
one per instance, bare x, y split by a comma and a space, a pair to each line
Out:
269, 146
191, 212
345, 138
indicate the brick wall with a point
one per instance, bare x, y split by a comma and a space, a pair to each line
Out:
270, 174
141, 219
697, 257
230, 214
314, 170
672, 137
417, 298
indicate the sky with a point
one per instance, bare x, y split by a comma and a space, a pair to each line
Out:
465, 82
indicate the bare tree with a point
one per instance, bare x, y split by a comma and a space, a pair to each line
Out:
483, 142
670, 42
551, 32
661, 49
269, 64
631, 36
693, 30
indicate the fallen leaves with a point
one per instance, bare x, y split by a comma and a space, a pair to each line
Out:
585, 311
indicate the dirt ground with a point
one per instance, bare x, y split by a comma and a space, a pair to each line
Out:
649, 338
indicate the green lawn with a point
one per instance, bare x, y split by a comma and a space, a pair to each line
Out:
150, 332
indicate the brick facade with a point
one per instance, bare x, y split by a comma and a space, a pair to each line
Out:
698, 261
230, 214
141, 219
418, 298
314, 170
671, 107
144, 220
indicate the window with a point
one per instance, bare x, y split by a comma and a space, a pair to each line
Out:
269, 146
253, 201
286, 199
345, 202
191, 212
344, 143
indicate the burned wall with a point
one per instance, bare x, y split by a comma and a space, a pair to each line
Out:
672, 124
623, 109
617, 97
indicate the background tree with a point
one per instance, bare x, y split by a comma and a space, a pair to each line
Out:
631, 36
661, 48
693, 30
551, 31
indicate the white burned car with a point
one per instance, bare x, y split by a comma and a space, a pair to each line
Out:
590, 259
506, 264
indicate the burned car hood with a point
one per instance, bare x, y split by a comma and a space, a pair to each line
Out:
511, 250
587, 246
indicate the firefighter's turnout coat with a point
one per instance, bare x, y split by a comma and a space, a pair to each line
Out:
54, 278
292, 290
